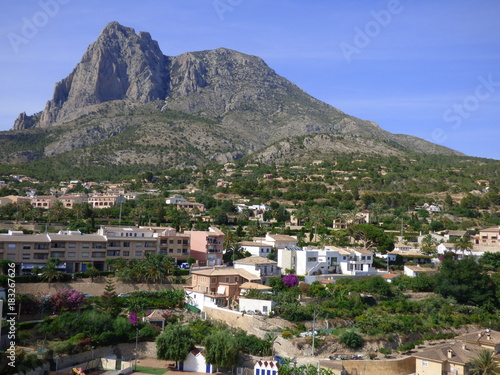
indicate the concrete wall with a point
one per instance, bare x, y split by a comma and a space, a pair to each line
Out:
388, 367
123, 351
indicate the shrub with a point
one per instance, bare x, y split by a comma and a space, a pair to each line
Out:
385, 351
286, 334
351, 340
406, 347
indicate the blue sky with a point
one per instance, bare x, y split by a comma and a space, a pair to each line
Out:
424, 68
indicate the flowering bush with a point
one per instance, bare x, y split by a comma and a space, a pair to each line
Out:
67, 300
132, 318
291, 280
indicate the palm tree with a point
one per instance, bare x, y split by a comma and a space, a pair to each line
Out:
464, 244
429, 244
484, 364
50, 271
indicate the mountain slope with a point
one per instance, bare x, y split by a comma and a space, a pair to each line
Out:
215, 105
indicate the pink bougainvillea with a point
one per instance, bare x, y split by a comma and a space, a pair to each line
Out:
290, 280
132, 318
67, 300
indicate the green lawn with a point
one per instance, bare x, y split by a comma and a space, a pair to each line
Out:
151, 370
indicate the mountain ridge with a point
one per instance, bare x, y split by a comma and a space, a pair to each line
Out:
227, 103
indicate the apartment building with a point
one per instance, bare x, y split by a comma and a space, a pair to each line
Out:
129, 242
206, 246
69, 201
175, 245
74, 250
106, 200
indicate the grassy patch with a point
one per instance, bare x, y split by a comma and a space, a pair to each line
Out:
150, 370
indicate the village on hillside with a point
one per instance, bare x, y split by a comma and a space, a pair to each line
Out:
287, 285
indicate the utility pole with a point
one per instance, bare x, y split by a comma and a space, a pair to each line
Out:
313, 331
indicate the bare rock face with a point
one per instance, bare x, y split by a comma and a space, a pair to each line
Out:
119, 65
214, 105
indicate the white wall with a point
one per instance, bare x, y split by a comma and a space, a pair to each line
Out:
247, 304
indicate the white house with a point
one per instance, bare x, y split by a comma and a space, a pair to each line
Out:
445, 247
259, 266
258, 249
402, 247
307, 261
266, 368
174, 199
195, 362
414, 271
279, 241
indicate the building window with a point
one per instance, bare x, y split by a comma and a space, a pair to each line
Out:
85, 255
11, 256
126, 244
138, 244
26, 256
312, 259
138, 253
72, 255
86, 246
72, 245
425, 363
26, 246
11, 246
126, 253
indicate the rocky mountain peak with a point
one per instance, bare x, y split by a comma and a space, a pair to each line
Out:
119, 65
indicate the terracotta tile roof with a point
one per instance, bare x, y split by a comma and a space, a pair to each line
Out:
481, 337
249, 285
226, 272
458, 353
255, 260
282, 237
252, 243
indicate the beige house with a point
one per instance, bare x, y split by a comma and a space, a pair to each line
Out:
488, 237
217, 286
43, 201
15, 199
455, 358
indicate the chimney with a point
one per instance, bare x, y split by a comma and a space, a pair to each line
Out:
464, 347
488, 336
450, 353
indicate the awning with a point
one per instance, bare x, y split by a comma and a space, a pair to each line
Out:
30, 266
221, 289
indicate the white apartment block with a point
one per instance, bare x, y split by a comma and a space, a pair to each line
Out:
329, 260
